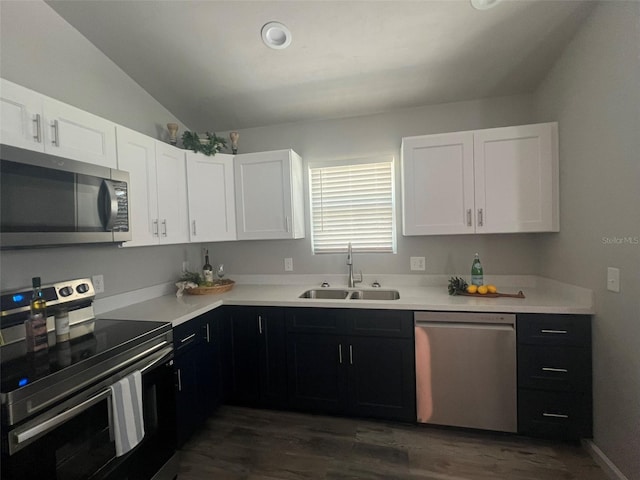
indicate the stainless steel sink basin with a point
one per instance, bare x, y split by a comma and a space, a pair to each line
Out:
375, 295
323, 293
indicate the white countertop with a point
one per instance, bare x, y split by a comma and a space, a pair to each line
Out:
541, 296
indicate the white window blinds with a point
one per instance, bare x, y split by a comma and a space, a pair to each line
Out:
352, 203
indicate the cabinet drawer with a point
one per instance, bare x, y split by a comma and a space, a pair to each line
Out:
554, 414
379, 323
187, 334
314, 320
574, 330
554, 368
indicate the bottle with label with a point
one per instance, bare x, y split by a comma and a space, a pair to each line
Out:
62, 326
207, 269
36, 325
476, 271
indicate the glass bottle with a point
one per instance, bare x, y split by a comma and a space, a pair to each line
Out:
36, 325
476, 271
207, 269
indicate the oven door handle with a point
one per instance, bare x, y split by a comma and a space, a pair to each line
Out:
63, 417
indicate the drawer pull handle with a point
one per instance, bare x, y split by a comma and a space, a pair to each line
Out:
186, 339
555, 332
551, 369
555, 415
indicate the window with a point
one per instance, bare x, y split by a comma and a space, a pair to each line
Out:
352, 203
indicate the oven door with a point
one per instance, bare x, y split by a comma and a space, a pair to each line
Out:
76, 443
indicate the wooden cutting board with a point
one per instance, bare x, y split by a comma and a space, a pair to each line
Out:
493, 295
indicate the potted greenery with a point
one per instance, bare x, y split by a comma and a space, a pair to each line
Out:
212, 145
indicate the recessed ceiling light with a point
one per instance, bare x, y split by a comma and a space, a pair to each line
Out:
276, 35
484, 4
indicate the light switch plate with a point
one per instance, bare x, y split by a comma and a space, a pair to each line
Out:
98, 283
417, 263
613, 279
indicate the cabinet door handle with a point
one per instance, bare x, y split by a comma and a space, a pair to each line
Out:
554, 415
195, 231
554, 332
468, 217
286, 224
260, 324
155, 227
38, 128
557, 370
164, 227
179, 381
340, 352
208, 334
480, 218
350, 354
56, 133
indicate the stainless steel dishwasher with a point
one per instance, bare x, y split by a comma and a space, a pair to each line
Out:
466, 370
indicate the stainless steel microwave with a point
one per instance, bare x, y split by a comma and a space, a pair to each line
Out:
49, 200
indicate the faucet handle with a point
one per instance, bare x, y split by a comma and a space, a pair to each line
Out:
360, 280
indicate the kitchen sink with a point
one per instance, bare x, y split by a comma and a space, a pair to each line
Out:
326, 294
375, 295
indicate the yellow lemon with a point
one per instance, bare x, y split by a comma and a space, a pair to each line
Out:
482, 289
492, 288
472, 289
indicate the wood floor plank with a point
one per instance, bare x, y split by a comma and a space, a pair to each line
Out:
251, 444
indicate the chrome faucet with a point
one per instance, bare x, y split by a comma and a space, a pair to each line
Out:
351, 281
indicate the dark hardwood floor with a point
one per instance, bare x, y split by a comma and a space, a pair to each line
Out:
242, 443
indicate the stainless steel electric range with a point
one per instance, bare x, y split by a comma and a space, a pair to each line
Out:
56, 407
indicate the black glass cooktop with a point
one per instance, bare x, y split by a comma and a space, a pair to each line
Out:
99, 339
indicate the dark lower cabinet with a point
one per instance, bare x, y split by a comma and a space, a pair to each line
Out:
317, 373
197, 367
254, 358
554, 376
365, 374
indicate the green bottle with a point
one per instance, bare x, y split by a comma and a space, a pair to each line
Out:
476, 271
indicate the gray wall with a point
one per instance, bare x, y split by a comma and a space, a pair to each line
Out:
594, 93
376, 135
39, 50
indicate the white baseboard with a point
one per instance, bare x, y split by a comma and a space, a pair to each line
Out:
601, 459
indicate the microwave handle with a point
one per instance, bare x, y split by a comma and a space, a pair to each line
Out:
110, 205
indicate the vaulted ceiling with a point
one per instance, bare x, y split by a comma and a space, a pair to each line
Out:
206, 63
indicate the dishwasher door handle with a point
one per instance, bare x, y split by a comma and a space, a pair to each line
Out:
507, 327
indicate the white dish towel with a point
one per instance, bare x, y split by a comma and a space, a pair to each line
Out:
126, 411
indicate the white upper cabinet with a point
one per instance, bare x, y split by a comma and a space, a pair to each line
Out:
173, 217
499, 180
36, 122
21, 117
158, 189
137, 155
269, 195
212, 214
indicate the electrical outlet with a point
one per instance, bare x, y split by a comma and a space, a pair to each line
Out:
417, 263
98, 283
288, 264
613, 279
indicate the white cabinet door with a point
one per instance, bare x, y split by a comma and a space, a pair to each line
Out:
516, 179
137, 155
172, 194
21, 118
499, 180
437, 184
268, 195
212, 214
79, 135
